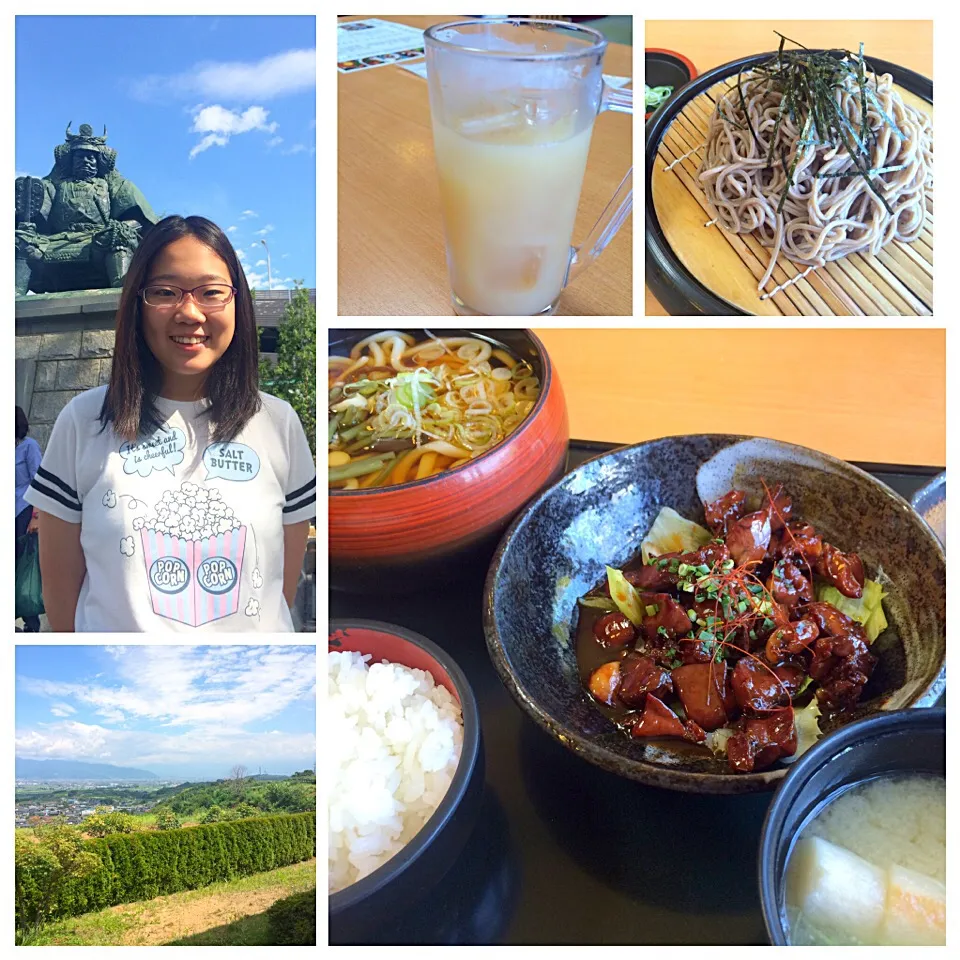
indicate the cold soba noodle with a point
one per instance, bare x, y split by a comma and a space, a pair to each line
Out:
403, 410
870, 868
819, 157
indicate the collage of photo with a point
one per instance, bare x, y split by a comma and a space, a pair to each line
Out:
586, 583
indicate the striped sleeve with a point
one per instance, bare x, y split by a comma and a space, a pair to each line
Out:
54, 487
300, 493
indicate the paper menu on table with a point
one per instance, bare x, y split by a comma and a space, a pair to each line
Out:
364, 44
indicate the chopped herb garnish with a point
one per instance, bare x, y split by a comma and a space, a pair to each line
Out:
692, 614
661, 631
742, 606
652, 610
706, 635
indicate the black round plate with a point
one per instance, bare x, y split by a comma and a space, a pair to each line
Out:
672, 284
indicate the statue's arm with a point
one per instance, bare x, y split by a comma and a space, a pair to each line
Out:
128, 203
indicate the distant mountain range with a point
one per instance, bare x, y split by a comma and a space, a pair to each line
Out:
77, 770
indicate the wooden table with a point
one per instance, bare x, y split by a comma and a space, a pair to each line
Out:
391, 247
708, 43
879, 395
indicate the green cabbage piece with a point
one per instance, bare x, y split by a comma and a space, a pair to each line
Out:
598, 603
672, 533
808, 730
868, 610
625, 596
717, 740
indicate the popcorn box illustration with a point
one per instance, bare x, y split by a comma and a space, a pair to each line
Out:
194, 581
193, 552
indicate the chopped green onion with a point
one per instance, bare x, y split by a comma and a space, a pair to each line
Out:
742, 606
652, 610
692, 614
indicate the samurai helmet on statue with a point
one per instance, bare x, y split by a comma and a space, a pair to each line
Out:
85, 140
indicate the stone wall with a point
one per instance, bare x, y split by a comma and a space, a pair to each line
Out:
63, 365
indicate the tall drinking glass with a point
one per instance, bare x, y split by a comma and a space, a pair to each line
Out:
513, 103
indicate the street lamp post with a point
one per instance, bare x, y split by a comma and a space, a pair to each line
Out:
269, 273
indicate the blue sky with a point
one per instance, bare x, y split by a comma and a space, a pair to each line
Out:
178, 711
210, 115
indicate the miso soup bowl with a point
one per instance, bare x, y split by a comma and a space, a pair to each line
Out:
887, 744
413, 535
425, 860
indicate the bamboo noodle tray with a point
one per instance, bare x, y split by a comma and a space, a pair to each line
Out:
693, 269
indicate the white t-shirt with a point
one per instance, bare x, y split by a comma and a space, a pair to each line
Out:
179, 533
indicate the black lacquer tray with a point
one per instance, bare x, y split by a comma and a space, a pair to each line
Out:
564, 852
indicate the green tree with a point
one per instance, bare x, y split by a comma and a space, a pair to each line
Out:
167, 820
294, 375
213, 815
104, 821
56, 856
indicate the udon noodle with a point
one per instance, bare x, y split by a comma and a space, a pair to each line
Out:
824, 216
401, 410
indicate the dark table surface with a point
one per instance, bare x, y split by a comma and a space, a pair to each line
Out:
564, 852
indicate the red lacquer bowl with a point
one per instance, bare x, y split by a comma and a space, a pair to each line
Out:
429, 855
415, 534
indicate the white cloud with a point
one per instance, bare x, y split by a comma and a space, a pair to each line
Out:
296, 148
263, 232
78, 741
290, 72
254, 245
218, 124
247, 214
221, 685
259, 281
260, 263
232, 228
62, 710
274, 142
240, 254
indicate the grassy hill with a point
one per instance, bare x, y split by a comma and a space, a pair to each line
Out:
293, 795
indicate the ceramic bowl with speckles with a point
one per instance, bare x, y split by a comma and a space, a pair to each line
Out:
598, 514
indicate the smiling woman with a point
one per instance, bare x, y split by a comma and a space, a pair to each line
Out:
180, 459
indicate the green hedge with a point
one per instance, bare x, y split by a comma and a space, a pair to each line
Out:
148, 864
292, 921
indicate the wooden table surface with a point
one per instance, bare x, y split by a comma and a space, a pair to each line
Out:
391, 248
877, 395
708, 43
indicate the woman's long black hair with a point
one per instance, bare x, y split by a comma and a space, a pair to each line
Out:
232, 385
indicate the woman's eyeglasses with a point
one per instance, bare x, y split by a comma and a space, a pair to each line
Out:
207, 296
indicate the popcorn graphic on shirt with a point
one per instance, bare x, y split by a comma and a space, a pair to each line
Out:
193, 552
126, 546
110, 499
252, 608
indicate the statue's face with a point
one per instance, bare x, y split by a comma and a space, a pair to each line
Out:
84, 164
187, 263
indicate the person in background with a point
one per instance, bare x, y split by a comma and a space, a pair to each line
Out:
28, 461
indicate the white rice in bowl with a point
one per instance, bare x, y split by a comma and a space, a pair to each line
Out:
394, 742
